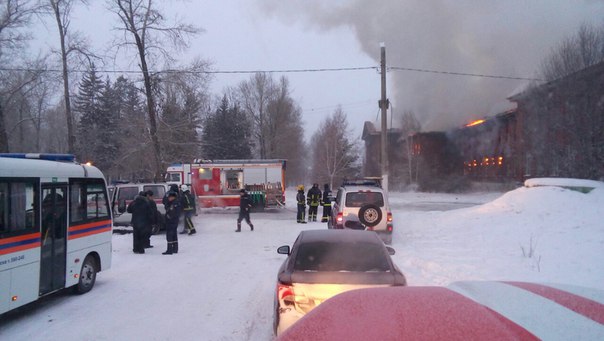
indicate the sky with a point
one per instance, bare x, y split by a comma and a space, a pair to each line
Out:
507, 38
221, 284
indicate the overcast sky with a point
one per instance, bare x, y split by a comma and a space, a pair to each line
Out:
507, 38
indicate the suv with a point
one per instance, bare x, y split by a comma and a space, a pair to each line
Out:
123, 194
362, 205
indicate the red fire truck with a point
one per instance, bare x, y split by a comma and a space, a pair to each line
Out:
217, 183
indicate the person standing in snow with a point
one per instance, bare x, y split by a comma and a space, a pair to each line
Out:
172, 216
313, 199
187, 201
154, 218
326, 203
301, 205
245, 204
141, 221
173, 188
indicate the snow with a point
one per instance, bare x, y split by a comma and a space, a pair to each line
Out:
220, 285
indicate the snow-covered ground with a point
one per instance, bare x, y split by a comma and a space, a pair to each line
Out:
220, 285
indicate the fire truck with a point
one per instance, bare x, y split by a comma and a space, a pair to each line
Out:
217, 183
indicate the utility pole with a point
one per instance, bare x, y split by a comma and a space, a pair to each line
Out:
384, 103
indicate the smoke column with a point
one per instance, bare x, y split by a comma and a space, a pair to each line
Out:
507, 38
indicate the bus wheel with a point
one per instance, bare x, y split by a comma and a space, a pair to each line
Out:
87, 276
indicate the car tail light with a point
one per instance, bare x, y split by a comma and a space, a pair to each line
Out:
389, 217
389, 224
340, 218
286, 293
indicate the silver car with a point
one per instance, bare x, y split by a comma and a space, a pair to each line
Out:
324, 263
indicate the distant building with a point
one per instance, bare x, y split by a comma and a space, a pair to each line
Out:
372, 165
555, 130
561, 126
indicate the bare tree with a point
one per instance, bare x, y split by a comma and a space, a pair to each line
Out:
335, 155
14, 15
70, 43
146, 30
256, 95
583, 49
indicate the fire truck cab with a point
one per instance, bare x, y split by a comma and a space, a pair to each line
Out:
217, 183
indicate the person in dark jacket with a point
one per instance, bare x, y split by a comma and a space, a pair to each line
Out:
154, 218
173, 188
141, 221
172, 216
301, 199
187, 202
326, 203
313, 199
245, 204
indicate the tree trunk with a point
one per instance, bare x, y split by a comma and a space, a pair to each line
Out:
71, 141
150, 108
3, 135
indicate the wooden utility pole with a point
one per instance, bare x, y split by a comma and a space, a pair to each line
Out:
384, 107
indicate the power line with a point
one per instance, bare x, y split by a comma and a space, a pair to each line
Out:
396, 68
198, 71
217, 72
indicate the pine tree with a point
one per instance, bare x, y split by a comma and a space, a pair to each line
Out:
87, 107
227, 133
108, 128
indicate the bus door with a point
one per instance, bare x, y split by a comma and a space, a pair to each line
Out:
53, 238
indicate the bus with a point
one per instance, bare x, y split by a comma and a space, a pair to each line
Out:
55, 226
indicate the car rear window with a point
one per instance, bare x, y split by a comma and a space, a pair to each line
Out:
128, 193
158, 190
325, 256
358, 199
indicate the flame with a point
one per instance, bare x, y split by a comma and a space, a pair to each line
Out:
474, 123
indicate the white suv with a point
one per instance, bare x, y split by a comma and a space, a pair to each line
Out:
362, 205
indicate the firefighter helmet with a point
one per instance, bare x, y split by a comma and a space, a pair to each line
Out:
300, 187
184, 188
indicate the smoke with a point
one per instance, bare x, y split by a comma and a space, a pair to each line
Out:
507, 38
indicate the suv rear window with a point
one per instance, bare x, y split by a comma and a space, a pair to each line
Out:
128, 193
358, 199
158, 190
325, 256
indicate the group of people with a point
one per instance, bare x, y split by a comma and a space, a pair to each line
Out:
314, 198
145, 215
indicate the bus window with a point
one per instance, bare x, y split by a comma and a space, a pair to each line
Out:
16, 207
88, 201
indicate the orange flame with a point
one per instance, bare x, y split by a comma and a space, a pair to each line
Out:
474, 123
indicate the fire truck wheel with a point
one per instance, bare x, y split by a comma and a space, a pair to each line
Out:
87, 276
370, 215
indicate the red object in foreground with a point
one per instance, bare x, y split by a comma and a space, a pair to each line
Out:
461, 311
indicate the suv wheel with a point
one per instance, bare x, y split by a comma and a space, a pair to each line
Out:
370, 215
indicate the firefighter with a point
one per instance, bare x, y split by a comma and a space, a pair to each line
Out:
326, 203
172, 216
141, 221
313, 198
245, 204
187, 200
301, 205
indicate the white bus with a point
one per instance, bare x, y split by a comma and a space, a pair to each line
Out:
55, 226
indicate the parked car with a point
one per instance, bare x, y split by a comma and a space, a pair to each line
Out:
362, 204
324, 263
123, 194
471, 310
